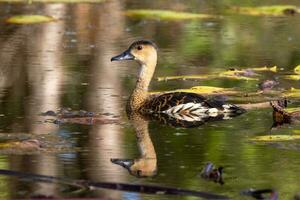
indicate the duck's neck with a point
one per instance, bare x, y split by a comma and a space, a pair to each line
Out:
140, 93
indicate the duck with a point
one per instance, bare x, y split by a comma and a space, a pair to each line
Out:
179, 105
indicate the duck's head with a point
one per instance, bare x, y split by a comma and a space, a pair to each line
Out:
143, 51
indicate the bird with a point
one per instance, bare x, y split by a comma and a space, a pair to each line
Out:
183, 106
209, 172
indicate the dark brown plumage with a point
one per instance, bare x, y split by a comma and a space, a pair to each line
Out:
168, 100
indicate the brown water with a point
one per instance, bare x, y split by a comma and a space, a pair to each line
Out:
67, 64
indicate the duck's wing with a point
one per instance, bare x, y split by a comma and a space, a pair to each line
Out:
188, 103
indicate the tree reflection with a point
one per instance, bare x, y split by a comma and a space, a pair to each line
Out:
45, 72
104, 92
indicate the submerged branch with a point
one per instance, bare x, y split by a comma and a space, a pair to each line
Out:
147, 189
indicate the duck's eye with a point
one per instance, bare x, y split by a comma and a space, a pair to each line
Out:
139, 47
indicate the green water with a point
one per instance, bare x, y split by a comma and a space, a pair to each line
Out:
67, 64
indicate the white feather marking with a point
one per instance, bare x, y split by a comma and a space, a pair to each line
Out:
226, 116
194, 107
227, 108
197, 111
173, 110
189, 118
213, 114
189, 106
213, 110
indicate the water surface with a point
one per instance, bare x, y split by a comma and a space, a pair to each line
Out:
67, 64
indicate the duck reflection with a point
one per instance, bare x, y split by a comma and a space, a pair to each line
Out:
185, 120
146, 165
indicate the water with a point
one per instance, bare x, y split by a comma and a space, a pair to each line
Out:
67, 64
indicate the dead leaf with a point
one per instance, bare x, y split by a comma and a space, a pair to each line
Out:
165, 14
275, 138
29, 19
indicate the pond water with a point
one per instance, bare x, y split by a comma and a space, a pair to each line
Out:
66, 64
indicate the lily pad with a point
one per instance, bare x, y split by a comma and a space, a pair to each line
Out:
275, 10
165, 15
29, 19
275, 138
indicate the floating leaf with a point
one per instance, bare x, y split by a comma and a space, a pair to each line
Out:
209, 89
275, 10
275, 138
293, 92
291, 110
295, 77
265, 68
165, 14
205, 77
185, 77
29, 19
6, 144
297, 69
204, 90
237, 74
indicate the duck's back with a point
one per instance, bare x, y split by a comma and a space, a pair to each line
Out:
188, 104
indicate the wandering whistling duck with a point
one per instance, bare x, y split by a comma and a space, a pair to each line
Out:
183, 105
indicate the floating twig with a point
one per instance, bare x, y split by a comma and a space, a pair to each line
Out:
147, 189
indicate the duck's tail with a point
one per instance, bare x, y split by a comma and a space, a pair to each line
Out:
231, 108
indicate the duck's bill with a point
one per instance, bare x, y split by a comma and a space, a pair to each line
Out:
126, 163
123, 56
